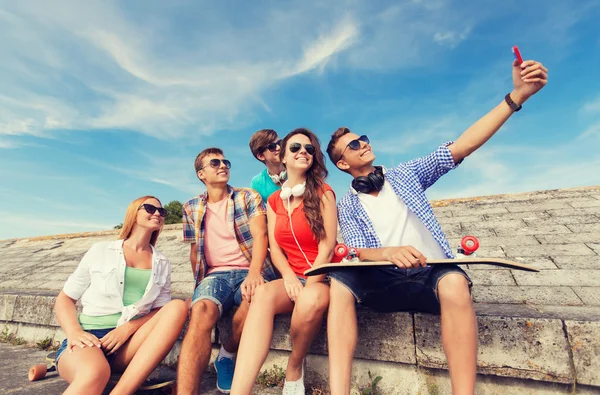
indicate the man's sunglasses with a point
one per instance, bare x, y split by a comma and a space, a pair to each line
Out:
216, 163
150, 209
295, 147
271, 147
354, 145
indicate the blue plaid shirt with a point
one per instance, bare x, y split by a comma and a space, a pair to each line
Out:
244, 204
409, 180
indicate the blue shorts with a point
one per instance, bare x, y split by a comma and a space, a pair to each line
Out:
390, 289
99, 333
222, 288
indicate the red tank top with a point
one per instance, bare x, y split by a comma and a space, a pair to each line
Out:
304, 235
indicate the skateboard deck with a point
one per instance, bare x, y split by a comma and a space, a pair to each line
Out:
159, 378
331, 267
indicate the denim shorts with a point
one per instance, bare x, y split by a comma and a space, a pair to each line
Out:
390, 289
99, 333
222, 288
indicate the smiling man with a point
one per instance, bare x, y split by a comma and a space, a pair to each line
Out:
227, 229
265, 146
387, 217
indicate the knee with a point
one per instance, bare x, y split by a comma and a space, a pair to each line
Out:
453, 291
312, 304
263, 296
204, 316
96, 375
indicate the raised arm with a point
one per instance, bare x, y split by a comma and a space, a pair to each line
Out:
528, 79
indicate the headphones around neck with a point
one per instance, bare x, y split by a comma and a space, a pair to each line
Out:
373, 182
296, 190
278, 178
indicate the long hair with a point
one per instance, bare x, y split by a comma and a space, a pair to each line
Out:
130, 218
315, 178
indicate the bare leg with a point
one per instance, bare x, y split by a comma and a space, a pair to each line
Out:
269, 300
237, 324
196, 347
148, 346
459, 332
86, 369
310, 306
342, 333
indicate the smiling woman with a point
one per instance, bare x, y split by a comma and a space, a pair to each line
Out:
128, 322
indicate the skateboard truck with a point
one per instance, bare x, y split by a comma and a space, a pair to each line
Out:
467, 247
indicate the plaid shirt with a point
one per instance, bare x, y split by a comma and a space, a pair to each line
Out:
409, 180
244, 204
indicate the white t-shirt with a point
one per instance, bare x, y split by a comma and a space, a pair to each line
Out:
396, 225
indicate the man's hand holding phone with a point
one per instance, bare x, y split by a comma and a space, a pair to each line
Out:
529, 77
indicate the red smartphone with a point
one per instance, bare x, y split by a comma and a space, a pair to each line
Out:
517, 54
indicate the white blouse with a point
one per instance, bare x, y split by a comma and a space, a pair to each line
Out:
98, 282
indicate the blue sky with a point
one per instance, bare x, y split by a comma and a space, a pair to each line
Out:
105, 101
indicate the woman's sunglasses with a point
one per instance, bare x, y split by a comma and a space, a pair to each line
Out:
271, 147
354, 145
150, 209
295, 147
216, 163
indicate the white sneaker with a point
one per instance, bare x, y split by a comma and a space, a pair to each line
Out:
294, 387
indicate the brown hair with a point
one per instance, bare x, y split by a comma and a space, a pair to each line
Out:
315, 178
335, 137
260, 139
204, 154
131, 216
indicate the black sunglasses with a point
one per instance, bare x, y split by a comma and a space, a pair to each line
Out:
216, 163
271, 147
354, 145
295, 147
150, 209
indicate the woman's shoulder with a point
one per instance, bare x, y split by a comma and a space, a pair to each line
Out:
273, 199
325, 188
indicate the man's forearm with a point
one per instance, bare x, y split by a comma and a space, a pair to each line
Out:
372, 254
259, 253
482, 130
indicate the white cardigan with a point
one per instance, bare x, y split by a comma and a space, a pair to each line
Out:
99, 278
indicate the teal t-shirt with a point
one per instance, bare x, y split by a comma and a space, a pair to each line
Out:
263, 184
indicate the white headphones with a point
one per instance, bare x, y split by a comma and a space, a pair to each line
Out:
277, 178
286, 193
297, 190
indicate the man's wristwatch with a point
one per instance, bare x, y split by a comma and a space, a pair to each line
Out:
513, 106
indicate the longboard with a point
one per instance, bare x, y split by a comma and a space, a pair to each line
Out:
157, 379
331, 267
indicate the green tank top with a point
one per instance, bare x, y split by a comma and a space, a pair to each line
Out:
134, 287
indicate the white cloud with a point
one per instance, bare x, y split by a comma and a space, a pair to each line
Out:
91, 67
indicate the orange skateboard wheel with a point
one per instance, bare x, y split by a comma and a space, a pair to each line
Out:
341, 250
37, 372
469, 244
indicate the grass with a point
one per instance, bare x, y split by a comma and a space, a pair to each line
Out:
273, 377
47, 345
11, 338
372, 388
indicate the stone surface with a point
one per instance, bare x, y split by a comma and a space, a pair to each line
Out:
589, 295
515, 347
584, 339
583, 278
531, 295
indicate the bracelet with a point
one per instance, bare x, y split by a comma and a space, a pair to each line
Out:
513, 106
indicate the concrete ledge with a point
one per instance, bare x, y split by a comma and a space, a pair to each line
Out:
542, 349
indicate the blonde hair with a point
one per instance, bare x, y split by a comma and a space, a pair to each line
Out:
131, 216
